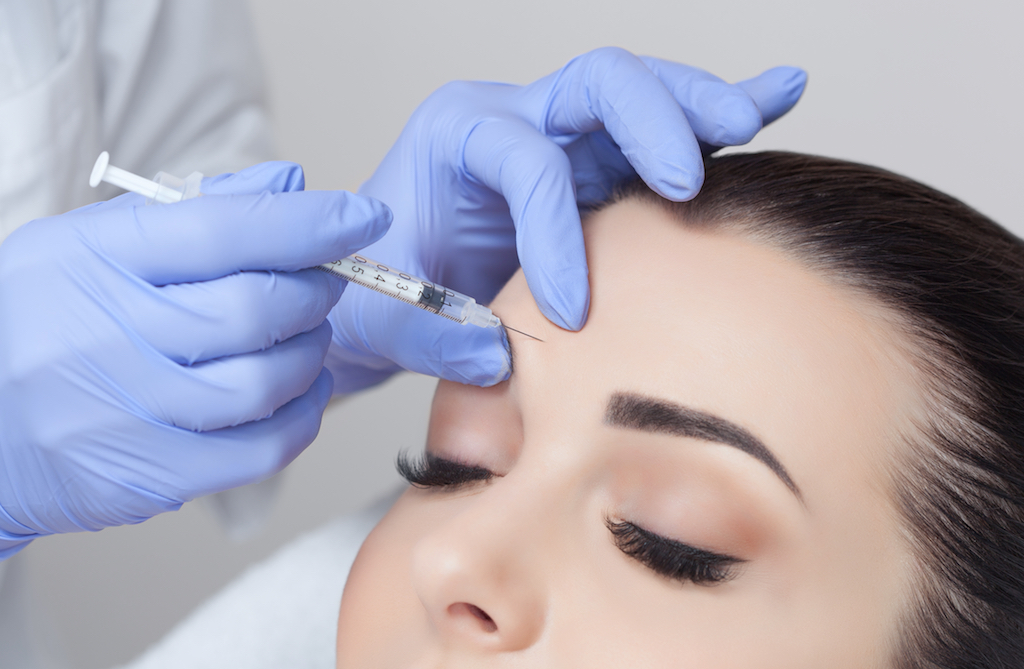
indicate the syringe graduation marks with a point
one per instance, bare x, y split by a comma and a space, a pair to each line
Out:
355, 268
381, 278
415, 291
412, 290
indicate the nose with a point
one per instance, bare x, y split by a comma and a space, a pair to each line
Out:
477, 588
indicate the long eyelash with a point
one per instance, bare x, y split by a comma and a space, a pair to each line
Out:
672, 559
431, 471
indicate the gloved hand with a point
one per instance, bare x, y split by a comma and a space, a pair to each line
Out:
153, 354
487, 176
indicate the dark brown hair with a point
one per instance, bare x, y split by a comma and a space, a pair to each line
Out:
955, 280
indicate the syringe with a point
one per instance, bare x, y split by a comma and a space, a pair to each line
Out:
168, 189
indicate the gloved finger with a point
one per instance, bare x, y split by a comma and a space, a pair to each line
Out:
613, 89
598, 167
240, 388
382, 335
227, 458
216, 235
535, 177
272, 177
775, 91
720, 113
238, 313
122, 201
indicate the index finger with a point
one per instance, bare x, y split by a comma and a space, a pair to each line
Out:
613, 89
534, 176
215, 235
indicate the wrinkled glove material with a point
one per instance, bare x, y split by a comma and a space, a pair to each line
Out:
153, 354
488, 177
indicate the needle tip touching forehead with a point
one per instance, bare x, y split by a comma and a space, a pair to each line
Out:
524, 334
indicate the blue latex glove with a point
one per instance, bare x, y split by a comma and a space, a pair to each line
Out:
153, 354
487, 176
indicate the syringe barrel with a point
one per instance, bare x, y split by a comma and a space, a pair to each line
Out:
175, 189
418, 292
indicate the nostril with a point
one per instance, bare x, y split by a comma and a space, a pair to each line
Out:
481, 615
464, 609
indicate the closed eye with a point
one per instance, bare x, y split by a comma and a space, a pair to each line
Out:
667, 557
431, 471
672, 559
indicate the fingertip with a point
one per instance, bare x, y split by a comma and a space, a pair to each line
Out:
291, 428
464, 354
304, 413
328, 381
338, 286
776, 91
502, 360
603, 88
678, 182
567, 320
293, 177
322, 390
735, 119
322, 335
375, 217
382, 214
791, 80
554, 263
476, 356
332, 285
564, 298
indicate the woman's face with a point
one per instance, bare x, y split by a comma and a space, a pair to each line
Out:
696, 479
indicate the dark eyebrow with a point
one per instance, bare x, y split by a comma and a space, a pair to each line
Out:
636, 412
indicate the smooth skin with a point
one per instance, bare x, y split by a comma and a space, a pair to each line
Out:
522, 571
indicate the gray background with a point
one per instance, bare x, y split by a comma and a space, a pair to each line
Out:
929, 89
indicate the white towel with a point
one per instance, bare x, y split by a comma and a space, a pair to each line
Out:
280, 613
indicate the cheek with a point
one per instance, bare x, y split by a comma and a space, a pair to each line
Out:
381, 617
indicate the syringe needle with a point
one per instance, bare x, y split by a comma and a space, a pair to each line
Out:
523, 333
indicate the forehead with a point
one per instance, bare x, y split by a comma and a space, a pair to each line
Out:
713, 321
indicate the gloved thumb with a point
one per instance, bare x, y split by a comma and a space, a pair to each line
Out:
375, 336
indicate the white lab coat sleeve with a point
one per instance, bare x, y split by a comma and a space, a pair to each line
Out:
172, 85
182, 86
282, 612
